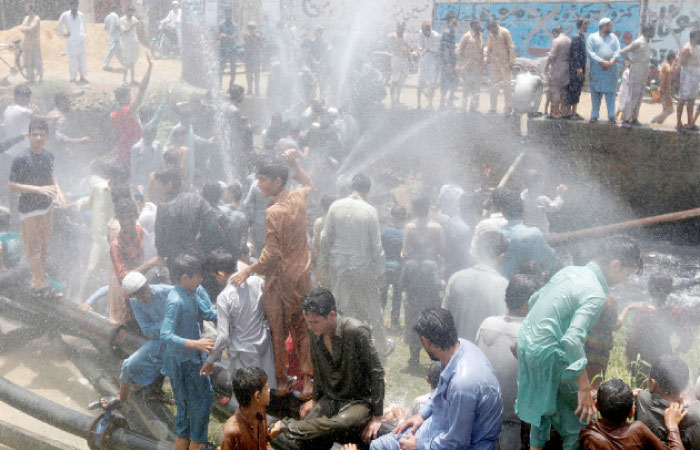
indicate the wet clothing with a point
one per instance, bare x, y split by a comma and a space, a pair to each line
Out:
665, 91
400, 58
241, 434
492, 223
448, 60
501, 56
650, 336
650, 411
525, 244
31, 46
130, 40
179, 224
392, 240
602, 82
577, 60
471, 56
126, 252
128, 131
285, 262
551, 351
536, 207
236, 233
429, 64
458, 235
227, 47
472, 295
144, 161
464, 412
605, 435
559, 67
599, 343
75, 43
254, 206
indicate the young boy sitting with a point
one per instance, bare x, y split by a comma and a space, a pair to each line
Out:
616, 404
247, 429
668, 378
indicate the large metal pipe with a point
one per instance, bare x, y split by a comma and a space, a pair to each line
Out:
596, 232
16, 437
73, 422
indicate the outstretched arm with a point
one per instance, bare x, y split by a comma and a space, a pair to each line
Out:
133, 108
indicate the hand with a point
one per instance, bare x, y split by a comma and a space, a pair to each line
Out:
207, 369
635, 392
371, 429
414, 422
86, 307
586, 406
203, 345
410, 442
673, 415
49, 190
399, 412
306, 408
84, 140
276, 429
239, 278
579, 72
561, 189
291, 155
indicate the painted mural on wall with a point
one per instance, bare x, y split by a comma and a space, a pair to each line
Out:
530, 24
674, 20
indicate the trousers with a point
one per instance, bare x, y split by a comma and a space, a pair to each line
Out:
596, 97
498, 78
115, 49
36, 232
634, 102
77, 63
144, 365
667, 103
421, 281
471, 83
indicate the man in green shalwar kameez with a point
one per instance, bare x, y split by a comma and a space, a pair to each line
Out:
553, 387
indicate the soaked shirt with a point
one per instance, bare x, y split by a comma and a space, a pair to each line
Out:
471, 53
126, 251
525, 244
600, 49
650, 411
605, 435
639, 53
150, 315
500, 51
241, 434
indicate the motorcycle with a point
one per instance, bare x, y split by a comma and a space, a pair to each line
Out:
165, 43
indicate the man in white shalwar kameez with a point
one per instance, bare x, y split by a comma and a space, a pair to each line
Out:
639, 53
71, 25
429, 65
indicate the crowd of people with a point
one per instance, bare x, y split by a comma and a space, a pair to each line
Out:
273, 280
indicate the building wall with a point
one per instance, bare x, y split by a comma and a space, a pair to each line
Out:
675, 19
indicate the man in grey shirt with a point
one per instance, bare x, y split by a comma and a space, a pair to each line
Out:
476, 293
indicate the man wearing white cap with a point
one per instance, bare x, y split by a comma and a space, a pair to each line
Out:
173, 21
603, 49
143, 367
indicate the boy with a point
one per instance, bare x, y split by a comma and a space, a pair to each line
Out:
392, 240
668, 378
616, 404
32, 176
247, 429
187, 305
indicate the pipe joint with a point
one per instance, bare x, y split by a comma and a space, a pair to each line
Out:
102, 428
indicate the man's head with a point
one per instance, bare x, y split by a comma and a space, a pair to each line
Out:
437, 331
233, 193
176, 5
250, 387
150, 132
62, 101
615, 401
135, 285
582, 25
211, 192
186, 271
534, 181
556, 31
38, 133
493, 26
272, 176
420, 206
117, 174
127, 213
669, 376
434, 374
114, 8
170, 181
451, 19
320, 311
660, 286
130, 10
74, 4
519, 290
122, 95
398, 214
671, 56
511, 205
475, 25
23, 95
695, 37
221, 265
426, 28
361, 184
648, 30
605, 26
326, 202
400, 28
491, 246
618, 257
29, 8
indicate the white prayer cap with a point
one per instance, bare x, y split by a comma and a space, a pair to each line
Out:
604, 21
133, 282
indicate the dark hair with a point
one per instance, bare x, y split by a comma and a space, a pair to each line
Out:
671, 56
437, 326
150, 130
671, 373
326, 202
621, 248
61, 97
511, 205
491, 244
211, 192
520, 289
361, 183
474, 22
695, 34
120, 191
118, 173
557, 29
615, 401
319, 301
235, 190
171, 158
398, 212
649, 26
660, 286
166, 176
182, 265
274, 168
434, 374
22, 90
580, 22
126, 208
533, 177
38, 124
246, 382
121, 92
221, 260
420, 206
493, 23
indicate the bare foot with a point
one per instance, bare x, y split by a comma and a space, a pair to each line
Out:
307, 389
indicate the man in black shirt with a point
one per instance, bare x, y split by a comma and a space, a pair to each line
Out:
32, 176
577, 66
228, 32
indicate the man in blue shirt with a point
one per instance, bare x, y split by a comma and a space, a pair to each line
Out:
603, 48
526, 245
465, 410
392, 241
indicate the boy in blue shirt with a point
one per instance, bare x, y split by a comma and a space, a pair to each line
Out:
187, 305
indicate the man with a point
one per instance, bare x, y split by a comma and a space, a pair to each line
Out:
458, 235
639, 52
61, 142
146, 158
71, 26
348, 390
115, 37
558, 68
285, 261
228, 33
253, 44
495, 337
32, 177
552, 378
400, 62
422, 252
128, 26
577, 67
471, 55
536, 205
392, 241
500, 55
429, 64
237, 220
448, 60
689, 62
476, 293
526, 245
665, 74
465, 411
173, 22
494, 222
125, 119
31, 44
351, 252
602, 49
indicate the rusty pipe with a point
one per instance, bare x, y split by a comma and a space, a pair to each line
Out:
596, 232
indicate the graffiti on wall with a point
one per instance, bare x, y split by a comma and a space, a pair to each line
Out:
674, 19
530, 24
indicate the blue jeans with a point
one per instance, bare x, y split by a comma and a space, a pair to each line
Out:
390, 441
596, 97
